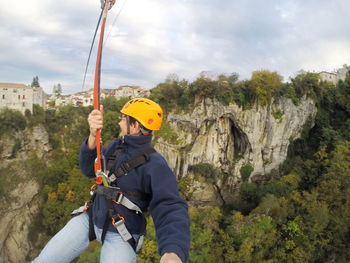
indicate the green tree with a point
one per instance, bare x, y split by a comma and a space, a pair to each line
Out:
265, 85
112, 104
35, 82
204, 231
57, 90
306, 84
334, 189
38, 116
110, 126
246, 171
11, 121
172, 95
343, 94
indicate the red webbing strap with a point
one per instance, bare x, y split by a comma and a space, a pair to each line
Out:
107, 6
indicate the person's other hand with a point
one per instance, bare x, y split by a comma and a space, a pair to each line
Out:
170, 258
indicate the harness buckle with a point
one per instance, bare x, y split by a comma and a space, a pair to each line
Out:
119, 223
82, 209
117, 220
102, 178
92, 189
120, 197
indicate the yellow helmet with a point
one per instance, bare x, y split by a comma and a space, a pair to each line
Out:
145, 111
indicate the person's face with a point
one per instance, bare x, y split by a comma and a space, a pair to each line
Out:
134, 128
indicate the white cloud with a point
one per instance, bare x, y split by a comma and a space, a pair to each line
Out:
153, 38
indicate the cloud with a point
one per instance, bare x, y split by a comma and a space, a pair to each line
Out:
153, 38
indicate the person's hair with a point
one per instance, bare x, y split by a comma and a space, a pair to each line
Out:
143, 129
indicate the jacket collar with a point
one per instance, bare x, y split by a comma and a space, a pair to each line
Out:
137, 142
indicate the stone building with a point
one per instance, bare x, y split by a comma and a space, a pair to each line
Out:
328, 76
21, 97
334, 77
130, 92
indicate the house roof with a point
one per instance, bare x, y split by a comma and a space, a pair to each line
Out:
14, 85
325, 72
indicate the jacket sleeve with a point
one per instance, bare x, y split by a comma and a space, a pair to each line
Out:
87, 159
169, 211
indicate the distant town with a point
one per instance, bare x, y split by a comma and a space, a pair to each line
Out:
22, 97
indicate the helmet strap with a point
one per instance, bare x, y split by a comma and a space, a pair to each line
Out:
144, 131
128, 124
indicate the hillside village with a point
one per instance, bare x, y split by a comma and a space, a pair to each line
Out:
22, 97
86, 98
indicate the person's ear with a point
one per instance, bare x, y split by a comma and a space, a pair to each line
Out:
135, 126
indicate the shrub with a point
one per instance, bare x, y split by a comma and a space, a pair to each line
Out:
11, 121
246, 171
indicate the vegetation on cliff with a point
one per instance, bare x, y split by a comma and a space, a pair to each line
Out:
261, 88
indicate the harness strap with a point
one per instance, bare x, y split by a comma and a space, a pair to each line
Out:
115, 194
134, 162
122, 200
92, 235
139, 195
104, 229
113, 157
118, 223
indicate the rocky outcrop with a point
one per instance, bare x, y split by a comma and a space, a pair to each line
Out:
20, 201
15, 222
229, 138
31, 140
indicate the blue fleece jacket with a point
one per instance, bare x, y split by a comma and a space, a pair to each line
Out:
168, 209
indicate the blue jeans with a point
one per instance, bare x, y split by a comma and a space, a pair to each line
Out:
73, 239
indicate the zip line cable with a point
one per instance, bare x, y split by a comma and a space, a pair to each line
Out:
92, 45
114, 21
93, 40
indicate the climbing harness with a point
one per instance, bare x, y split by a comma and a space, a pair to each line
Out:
115, 195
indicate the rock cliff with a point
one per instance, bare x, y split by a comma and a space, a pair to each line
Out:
20, 202
229, 138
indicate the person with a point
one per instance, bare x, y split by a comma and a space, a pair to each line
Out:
148, 183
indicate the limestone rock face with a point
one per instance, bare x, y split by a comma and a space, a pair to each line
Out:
19, 200
15, 222
229, 137
33, 139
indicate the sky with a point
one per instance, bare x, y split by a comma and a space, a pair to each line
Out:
151, 39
